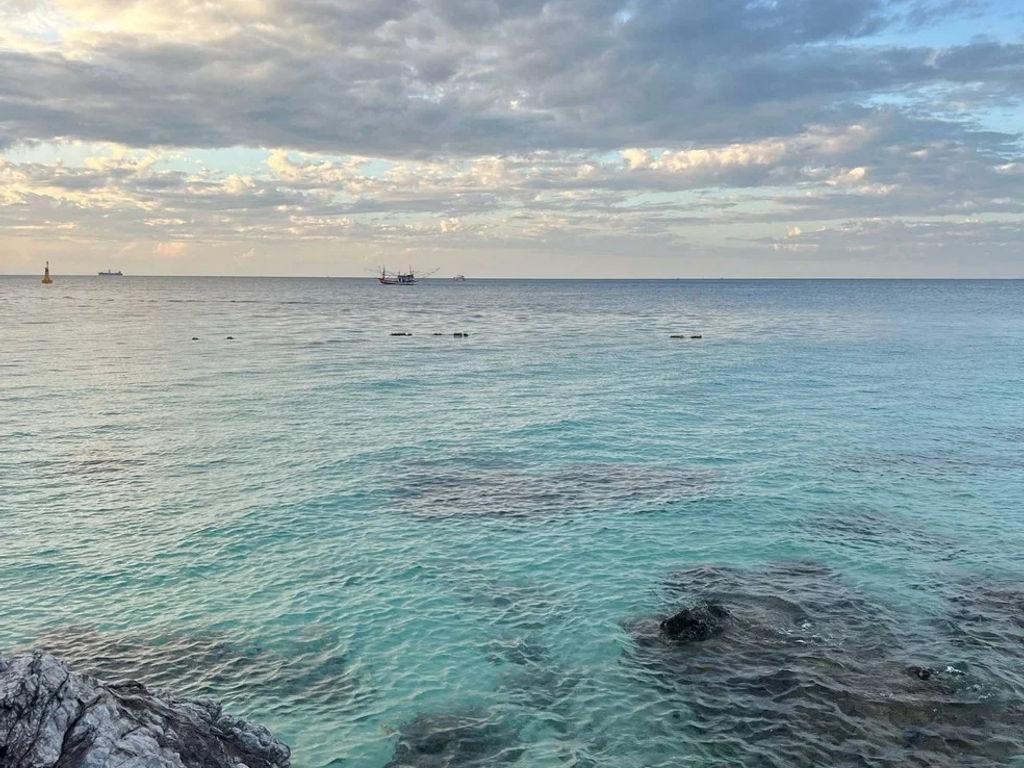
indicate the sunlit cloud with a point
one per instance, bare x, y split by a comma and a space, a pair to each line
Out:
297, 135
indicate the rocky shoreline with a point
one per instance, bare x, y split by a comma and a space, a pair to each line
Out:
53, 717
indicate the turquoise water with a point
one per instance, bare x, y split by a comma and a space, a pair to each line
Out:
350, 536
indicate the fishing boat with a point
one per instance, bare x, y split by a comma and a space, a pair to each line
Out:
111, 273
398, 278
47, 280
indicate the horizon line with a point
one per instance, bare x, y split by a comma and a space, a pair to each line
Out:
532, 278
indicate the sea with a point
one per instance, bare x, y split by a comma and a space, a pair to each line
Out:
441, 550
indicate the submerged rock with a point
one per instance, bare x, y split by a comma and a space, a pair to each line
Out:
441, 491
986, 618
454, 741
51, 716
811, 672
313, 674
700, 622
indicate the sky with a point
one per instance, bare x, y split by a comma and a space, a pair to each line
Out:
514, 138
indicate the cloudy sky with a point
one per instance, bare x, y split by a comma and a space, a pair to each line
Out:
634, 138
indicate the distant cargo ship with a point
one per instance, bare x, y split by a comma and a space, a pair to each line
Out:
111, 273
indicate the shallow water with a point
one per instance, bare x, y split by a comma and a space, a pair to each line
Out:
382, 546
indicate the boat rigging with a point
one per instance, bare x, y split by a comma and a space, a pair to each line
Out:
409, 277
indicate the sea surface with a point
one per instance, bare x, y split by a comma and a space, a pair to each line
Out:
427, 550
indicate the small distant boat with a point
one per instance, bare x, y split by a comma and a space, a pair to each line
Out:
398, 278
47, 280
111, 273
459, 278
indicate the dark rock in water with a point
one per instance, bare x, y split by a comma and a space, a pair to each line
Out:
51, 716
460, 335
230, 338
700, 622
400, 333
811, 672
454, 741
697, 336
921, 673
195, 338
437, 333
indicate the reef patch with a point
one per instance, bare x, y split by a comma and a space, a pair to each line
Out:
571, 489
315, 673
454, 741
807, 671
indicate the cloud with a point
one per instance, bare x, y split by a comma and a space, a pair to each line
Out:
172, 250
911, 246
579, 124
404, 78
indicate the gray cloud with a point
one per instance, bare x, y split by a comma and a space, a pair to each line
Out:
792, 129
411, 78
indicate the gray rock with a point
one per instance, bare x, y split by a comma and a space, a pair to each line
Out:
697, 623
51, 717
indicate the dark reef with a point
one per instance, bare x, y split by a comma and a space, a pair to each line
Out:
53, 717
805, 671
314, 673
987, 617
454, 741
570, 489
